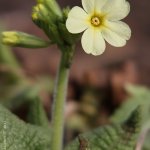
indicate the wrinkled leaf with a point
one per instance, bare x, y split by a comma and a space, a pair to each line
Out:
17, 135
139, 96
111, 137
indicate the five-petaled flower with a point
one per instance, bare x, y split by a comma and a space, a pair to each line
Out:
100, 20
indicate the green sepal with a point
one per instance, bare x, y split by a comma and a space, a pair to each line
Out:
69, 38
54, 34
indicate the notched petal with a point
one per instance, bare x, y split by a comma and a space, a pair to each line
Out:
116, 9
120, 28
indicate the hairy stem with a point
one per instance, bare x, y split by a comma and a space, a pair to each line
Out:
59, 103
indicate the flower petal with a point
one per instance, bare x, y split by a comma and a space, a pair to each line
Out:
113, 38
92, 5
77, 20
88, 5
121, 28
116, 9
99, 5
93, 42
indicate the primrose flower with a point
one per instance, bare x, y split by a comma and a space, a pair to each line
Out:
100, 21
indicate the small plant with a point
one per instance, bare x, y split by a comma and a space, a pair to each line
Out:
100, 21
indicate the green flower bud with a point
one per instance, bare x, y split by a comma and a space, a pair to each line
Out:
43, 13
20, 39
42, 17
52, 6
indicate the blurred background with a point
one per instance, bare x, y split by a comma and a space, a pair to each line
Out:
96, 86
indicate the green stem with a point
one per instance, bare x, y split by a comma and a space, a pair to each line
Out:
59, 103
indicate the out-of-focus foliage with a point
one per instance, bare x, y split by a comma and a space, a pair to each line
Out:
36, 114
146, 144
114, 137
15, 90
22, 90
86, 115
6, 55
139, 96
15, 87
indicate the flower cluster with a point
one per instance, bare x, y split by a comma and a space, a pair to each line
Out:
100, 19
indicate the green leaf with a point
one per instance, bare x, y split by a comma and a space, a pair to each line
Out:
110, 137
37, 114
139, 96
17, 135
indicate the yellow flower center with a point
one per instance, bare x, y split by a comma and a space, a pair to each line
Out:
95, 21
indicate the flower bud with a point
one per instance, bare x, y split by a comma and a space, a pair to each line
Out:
42, 17
20, 39
52, 6
42, 12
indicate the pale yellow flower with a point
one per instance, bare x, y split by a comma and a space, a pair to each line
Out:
100, 21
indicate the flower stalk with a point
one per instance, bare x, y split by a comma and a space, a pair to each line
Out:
60, 93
